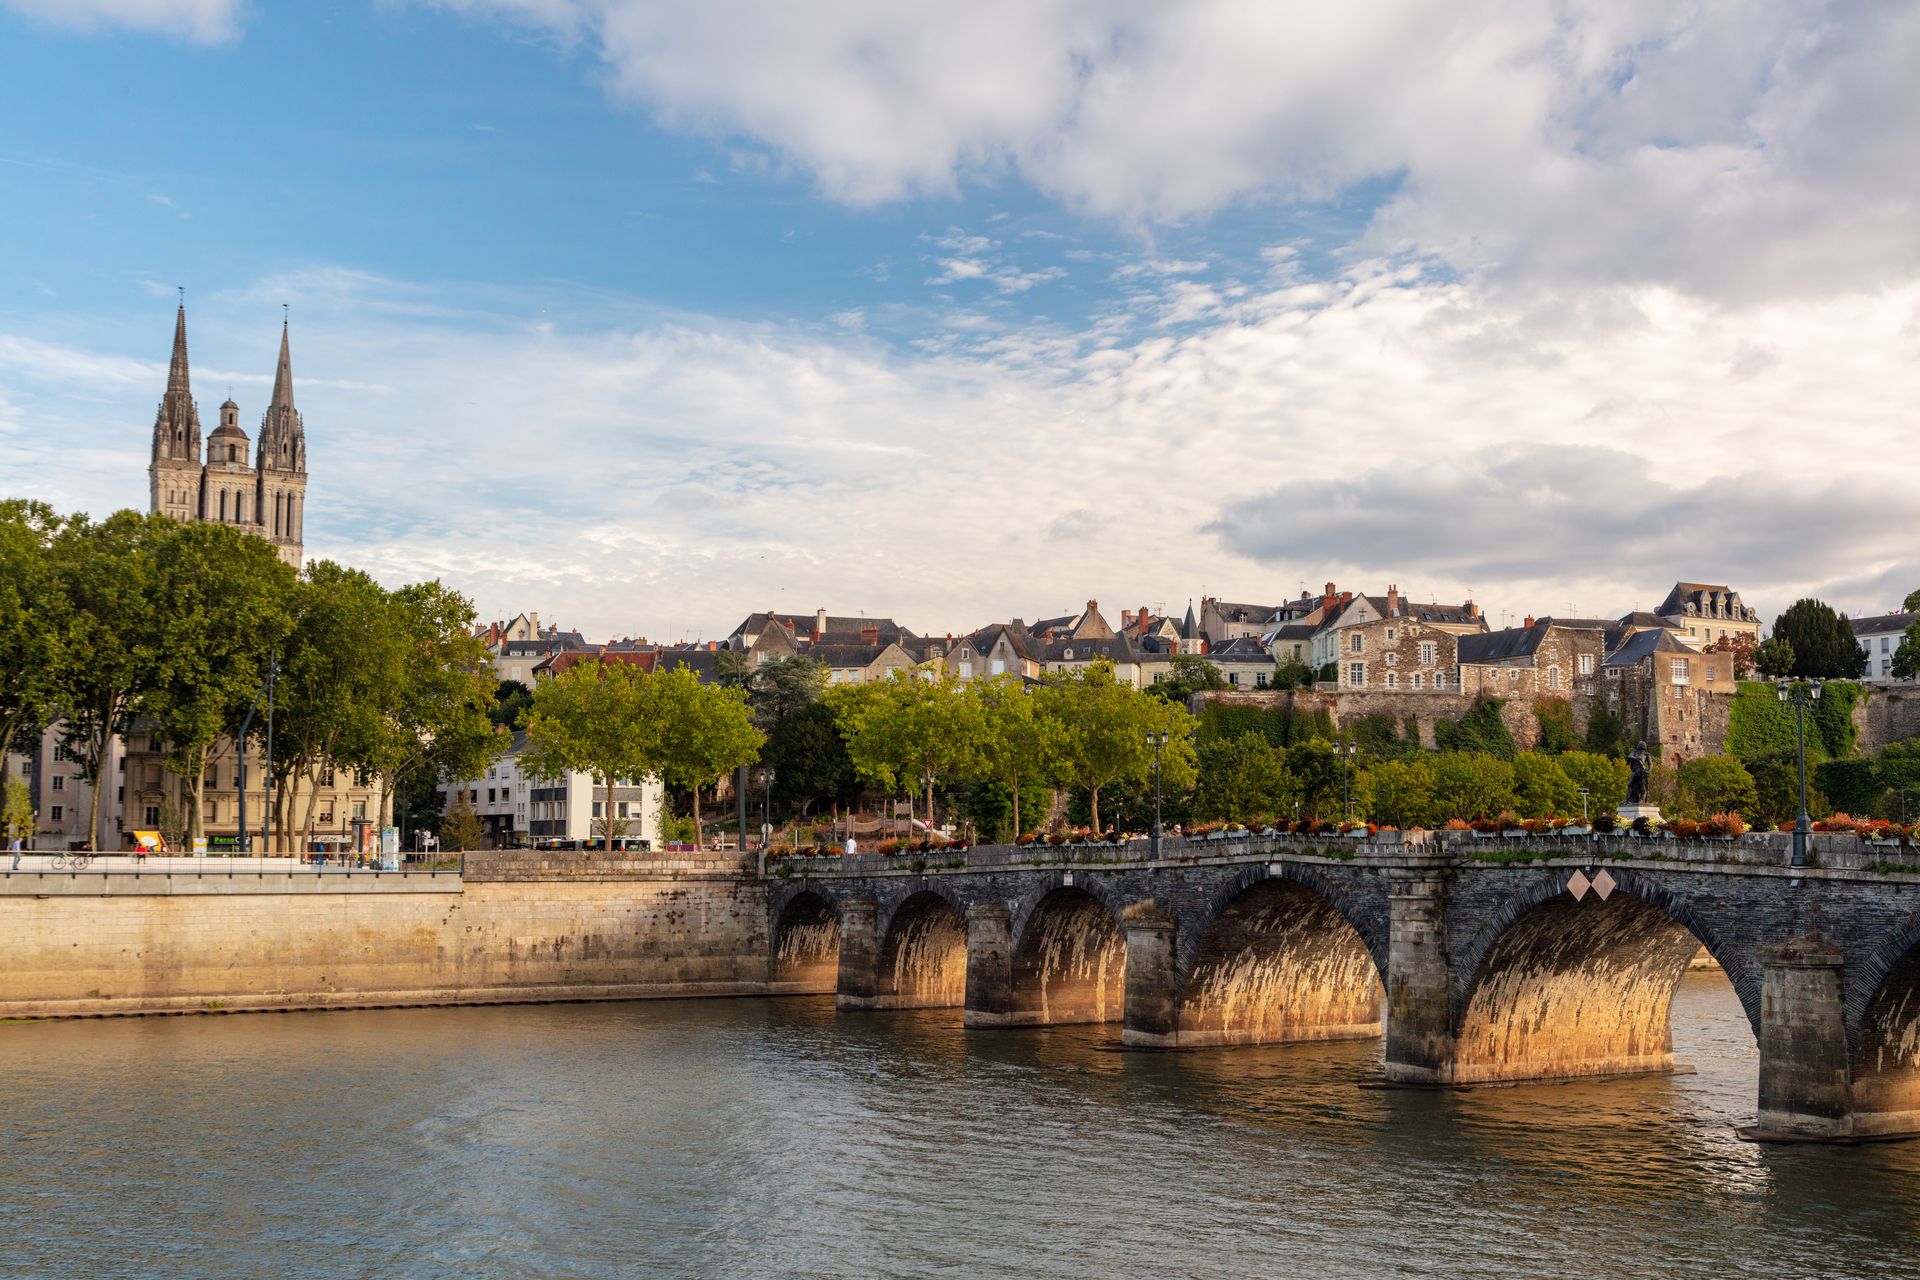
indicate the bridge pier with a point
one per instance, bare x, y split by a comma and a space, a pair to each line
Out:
1149, 1018
1805, 1081
859, 981
1419, 1030
989, 966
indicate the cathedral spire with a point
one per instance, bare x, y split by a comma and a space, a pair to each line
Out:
177, 371
282, 377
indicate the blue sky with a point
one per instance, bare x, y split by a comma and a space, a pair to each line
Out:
645, 317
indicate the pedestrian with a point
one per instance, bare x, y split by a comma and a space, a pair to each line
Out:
853, 846
13, 847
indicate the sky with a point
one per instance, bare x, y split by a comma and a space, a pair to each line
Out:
644, 315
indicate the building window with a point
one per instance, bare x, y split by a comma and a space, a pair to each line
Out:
1513, 673
1711, 672
1393, 680
1419, 680
1389, 634
1260, 681
966, 671
1356, 673
998, 666
596, 808
1679, 670
1393, 659
489, 795
153, 815
1883, 644
59, 783
1585, 662
359, 809
58, 813
1553, 677
1356, 644
1429, 653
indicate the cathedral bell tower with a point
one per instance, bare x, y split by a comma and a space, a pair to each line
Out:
282, 465
174, 476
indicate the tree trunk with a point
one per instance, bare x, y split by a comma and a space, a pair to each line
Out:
929, 804
1017, 833
313, 808
97, 748
699, 836
606, 817
1094, 793
195, 777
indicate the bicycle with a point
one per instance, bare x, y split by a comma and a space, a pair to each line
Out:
77, 860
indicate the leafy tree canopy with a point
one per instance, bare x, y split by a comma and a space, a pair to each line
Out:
1824, 647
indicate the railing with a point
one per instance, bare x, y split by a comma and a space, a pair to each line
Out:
1829, 850
219, 864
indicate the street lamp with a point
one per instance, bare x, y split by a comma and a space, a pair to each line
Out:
1156, 738
1583, 806
1347, 751
1800, 693
764, 776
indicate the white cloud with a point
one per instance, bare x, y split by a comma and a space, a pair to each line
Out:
203, 21
633, 472
1738, 149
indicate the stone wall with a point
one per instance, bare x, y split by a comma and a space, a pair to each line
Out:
273, 942
1887, 715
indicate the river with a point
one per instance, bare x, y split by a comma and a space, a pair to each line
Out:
763, 1138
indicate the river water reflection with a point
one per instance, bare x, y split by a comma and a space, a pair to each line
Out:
753, 1138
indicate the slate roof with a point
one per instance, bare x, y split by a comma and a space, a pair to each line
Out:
1642, 645
1705, 597
1244, 612
1883, 624
1242, 649
801, 624
1502, 645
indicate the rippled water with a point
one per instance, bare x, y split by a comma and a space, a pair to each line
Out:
752, 1138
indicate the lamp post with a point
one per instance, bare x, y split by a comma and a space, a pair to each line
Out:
1157, 738
1800, 693
764, 776
1583, 806
1346, 750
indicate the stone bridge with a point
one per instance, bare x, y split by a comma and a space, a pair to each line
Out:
1476, 959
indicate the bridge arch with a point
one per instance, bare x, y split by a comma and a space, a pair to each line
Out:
1277, 958
923, 953
1552, 987
1069, 961
804, 944
1883, 1008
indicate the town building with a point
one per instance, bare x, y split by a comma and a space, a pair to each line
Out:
1545, 657
1384, 641
1702, 613
520, 644
1672, 696
1879, 638
265, 494
517, 808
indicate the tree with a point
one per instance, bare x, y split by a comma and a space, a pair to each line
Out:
459, 826
1606, 732
808, 758
510, 702
1241, 778
1912, 603
1716, 784
1906, 659
1898, 769
1469, 785
1555, 716
227, 608
1315, 767
1402, 792
1541, 788
1104, 728
1019, 743
910, 730
694, 733
781, 686
1774, 658
1824, 647
16, 810
594, 718
1187, 674
1481, 730
438, 716
27, 611
1604, 777
1744, 649
103, 626
1291, 673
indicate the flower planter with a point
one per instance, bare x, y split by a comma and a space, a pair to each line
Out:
1513, 835
1576, 831
1355, 835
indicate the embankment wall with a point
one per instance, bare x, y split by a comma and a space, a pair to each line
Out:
110, 945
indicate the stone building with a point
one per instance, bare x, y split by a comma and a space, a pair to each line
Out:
1879, 638
516, 807
1671, 695
265, 494
1545, 657
1384, 642
1703, 612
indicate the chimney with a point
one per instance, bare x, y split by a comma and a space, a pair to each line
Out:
870, 634
819, 623
1126, 619
1473, 610
1326, 598
1528, 624
1393, 601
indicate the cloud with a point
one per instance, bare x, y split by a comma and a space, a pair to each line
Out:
201, 21
1739, 150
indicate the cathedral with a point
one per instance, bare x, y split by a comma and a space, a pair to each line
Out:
266, 496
